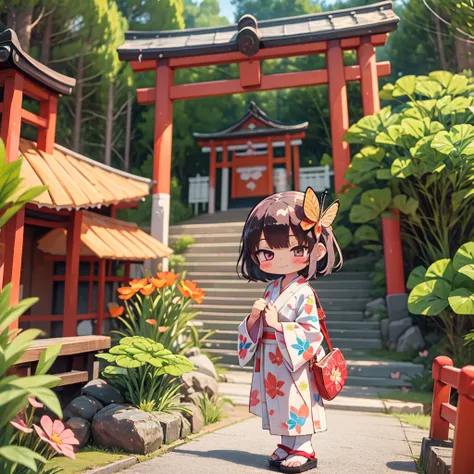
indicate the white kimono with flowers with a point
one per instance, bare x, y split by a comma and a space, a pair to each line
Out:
284, 392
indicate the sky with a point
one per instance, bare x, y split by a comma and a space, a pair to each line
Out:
227, 9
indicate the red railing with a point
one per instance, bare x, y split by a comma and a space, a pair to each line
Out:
443, 414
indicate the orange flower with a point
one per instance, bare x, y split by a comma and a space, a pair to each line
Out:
189, 289
126, 292
115, 310
153, 322
147, 290
164, 279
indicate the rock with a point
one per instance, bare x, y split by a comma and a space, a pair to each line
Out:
411, 339
384, 328
195, 417
398, 327
102, 391
196, 382
396, 406
81, 429
204, 365
367, 313
375, 317
82, 407
127, 428
185, 427
194, 351
375, 305
170, 424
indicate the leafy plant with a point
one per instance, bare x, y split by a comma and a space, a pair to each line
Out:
417, 157
146, 373
212, 408
446, 290
182, 243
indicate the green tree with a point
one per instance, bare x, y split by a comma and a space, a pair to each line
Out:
153, 14
267, 9
205, 13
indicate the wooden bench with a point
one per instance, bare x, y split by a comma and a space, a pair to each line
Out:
75, 366
435, 452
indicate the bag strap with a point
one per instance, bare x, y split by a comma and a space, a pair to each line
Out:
322, 321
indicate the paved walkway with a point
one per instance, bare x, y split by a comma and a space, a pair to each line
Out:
356, 443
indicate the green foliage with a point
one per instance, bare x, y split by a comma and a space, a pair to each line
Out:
146, 373
212, 408
182, 243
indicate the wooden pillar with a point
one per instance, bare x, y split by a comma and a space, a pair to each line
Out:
296, 167
71, 285
369, 86
212, 180
289, 177
13, 229
339, 112
127, 272
270, 165
46, 136
225, 179
100, 297
163, 137
439, 428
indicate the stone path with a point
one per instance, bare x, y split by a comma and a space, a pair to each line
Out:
356, 443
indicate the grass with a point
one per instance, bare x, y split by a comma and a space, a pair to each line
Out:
392, 355
87, 458
415, 397
420, 421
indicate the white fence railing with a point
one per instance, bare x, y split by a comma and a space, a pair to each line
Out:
317, 177
198, 192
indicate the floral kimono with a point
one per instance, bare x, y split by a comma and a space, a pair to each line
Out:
284, 392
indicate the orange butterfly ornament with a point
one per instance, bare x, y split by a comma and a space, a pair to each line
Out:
315, 215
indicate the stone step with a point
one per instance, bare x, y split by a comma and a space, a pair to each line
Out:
228, 324
231, 334
220, 227
216, 238
249, 295
238, 284
340, 342
222, 314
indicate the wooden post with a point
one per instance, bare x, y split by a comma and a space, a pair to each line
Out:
270, 165
163, 138
127, 273
463, 452
369, 81
339, 112
13, 229
71, 284
212, 180
48, 110
296, 167
439, 428
225, 179
289, 177
100, 297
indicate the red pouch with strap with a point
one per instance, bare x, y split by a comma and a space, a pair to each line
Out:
331, 371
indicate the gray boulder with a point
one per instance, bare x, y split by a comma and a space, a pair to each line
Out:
195, 382
82, 407
204, 365
398, 327
81, 429
127, 428
376, 306
411, 339
194, 417
185, 427
384, 328
102, 391
170, 424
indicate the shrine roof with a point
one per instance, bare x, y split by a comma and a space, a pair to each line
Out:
366, 20
259, 125
12, 56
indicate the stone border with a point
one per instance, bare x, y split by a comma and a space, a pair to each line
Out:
113, 466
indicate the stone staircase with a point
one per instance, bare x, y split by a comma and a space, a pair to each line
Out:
212, 260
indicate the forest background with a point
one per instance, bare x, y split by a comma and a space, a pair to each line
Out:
102, 119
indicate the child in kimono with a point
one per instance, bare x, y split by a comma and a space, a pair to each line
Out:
287, 239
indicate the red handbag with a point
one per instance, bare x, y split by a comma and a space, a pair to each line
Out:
330, 372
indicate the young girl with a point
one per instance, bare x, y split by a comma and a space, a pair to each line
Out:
287, 239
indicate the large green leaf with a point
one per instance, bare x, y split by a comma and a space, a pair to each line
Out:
36, 381
441, 269
372, 204
343, 235
462, 301
430, 89
386, 92
14, 312
458, 104
416, 277
346, 198
21, 455
402, 167
405, 204
49, 398
390, 136
463, 260
443, 77
425, 298
47, 358
404, 86
366, 232
458, 85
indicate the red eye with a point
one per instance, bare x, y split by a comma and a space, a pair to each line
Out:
264, 255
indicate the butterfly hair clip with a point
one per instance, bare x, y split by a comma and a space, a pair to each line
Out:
316, 217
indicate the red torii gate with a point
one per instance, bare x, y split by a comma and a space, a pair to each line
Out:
247, 44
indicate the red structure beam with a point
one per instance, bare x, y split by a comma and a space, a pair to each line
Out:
100, 297
48, 111
32, 119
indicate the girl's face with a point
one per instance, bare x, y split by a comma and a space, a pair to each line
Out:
286, 260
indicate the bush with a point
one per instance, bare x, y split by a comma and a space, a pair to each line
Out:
212, 408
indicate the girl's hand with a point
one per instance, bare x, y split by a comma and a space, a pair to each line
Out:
271, 317
257, 308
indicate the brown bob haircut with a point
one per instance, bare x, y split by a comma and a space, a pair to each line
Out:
278, 216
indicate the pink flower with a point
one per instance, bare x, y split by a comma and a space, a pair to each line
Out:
57, 435
19, 423
423, 353
34, 403
395, 375
405, 389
